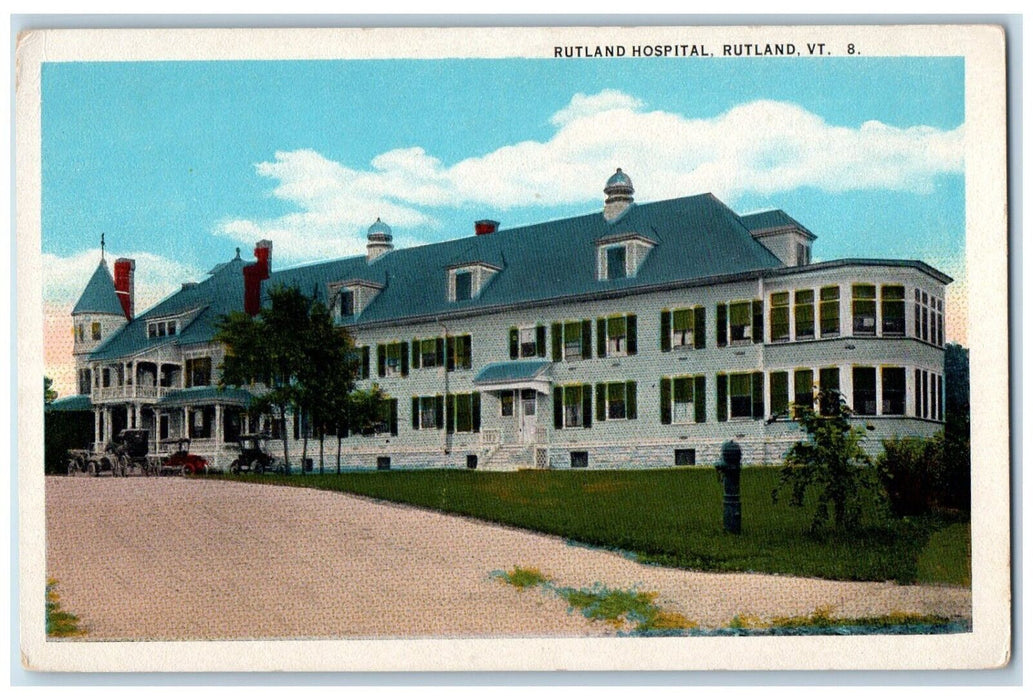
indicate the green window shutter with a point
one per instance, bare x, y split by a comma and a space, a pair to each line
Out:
365, 362
758, 394
586, 404
514, 343
557, 405
758, 321
699, 327
722, 397
539, 340
600, 402
416, 354
416, 413
665, 400
600, 337
779, 392
439, 409
632, 400
450, 352
722, 325
665, 331
450, 413
475, 411
381, 360
699, 399
439, 350
393, 407
586, 339
557, 342
632, 339
405, 359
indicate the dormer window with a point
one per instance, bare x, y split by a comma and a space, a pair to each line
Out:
161, 329
349, 299
621, 255
616, 263
464, 286
468, 280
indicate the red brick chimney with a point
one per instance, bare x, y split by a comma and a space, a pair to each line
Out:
485, 227
124, 272
255, 274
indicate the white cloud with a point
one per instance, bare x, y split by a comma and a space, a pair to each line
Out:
155, 277
761, 147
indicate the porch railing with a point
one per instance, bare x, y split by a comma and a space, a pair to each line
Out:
130, 391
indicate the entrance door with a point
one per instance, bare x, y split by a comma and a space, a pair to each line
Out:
528, 419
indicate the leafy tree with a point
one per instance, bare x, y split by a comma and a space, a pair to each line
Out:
49, 393
956, 473
292, 350
830, 461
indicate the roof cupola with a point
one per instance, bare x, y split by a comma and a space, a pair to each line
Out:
379, 240
618, 191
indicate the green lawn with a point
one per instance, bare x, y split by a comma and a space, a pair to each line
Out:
673, 517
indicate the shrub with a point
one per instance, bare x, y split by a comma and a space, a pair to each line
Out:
908, 468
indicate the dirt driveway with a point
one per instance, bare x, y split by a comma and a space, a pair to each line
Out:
173, 559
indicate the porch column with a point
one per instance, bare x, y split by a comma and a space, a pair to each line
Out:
107, 426
218, 430
186, 422
96, 426
157, 429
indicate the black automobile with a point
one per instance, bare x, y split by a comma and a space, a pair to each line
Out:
254, 457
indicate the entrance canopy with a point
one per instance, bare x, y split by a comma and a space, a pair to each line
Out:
507, 376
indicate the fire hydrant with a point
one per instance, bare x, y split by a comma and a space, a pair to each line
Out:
729, 467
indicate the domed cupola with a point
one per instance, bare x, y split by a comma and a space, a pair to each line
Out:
619, 195
379, 240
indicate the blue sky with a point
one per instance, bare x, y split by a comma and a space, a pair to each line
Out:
180, 162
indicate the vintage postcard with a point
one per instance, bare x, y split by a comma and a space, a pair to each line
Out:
513, 349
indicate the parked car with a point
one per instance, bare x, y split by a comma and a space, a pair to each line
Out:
254, 456
181, 460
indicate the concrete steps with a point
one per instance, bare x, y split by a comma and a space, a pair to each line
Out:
510, 458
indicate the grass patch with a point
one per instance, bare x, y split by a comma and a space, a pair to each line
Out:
947, 556
617, 607
673, 517
60, 623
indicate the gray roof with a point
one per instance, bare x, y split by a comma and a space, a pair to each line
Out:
696, 237
78, 402
206, 394
518, 370
99, 296
211, 298
776, 218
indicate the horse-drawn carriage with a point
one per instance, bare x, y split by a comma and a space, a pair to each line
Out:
128, 453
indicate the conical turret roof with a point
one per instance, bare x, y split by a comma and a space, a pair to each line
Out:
99, 296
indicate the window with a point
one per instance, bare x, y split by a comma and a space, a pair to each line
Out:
200, 421
506, 404
740, 394
463, 413
864, 391
894, 391
464, 286
779, 315
617, 336
616, 401
84, 381
459, 353
683, 400
928, 318
684, 458
804, 308
682, 411
828, 308
779, 392
579, 460
393, 360
363, 369
95, 330
105, 377
616, 263
572, 406
527, 342
346, 305
199, 371
803, 390
892, 310
388, 417
77, 332
428, 353
158, 329
427, 412
681, 328
828, 381
864, 309
739, 319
